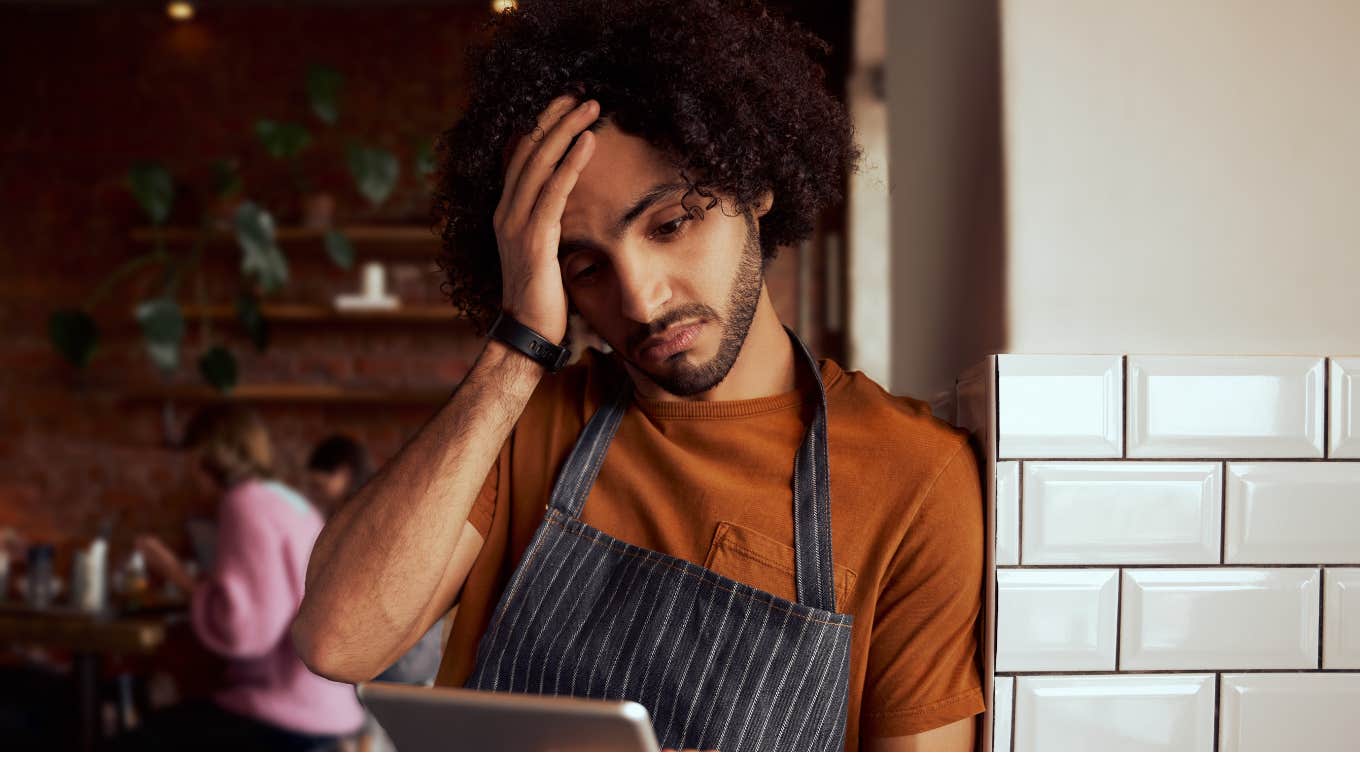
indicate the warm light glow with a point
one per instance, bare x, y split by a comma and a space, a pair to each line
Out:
180, 11
501, 6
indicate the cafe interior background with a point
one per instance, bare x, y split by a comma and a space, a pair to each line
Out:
1117, 240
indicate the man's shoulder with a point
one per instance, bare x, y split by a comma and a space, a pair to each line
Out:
862, 412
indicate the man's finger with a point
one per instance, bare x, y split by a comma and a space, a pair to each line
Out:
518, 149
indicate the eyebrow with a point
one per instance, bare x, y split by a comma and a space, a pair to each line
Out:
649, 199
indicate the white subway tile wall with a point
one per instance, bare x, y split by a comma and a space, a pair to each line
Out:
1115, 713
1056, 619
1122, 512
1175, 551
1225, 406
1293, 712
1219, 618
1341, 619
1007, 513
1345, 407
1293, 512
1060, 406
1003, 701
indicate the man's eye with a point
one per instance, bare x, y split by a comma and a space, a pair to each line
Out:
671, 228
585, 273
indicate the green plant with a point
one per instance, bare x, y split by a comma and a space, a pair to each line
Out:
74, 332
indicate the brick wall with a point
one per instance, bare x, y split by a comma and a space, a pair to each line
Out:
92, 89
1176, 542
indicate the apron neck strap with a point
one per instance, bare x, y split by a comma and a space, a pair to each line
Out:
813, 568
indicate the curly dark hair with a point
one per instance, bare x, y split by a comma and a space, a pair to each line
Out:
729, 92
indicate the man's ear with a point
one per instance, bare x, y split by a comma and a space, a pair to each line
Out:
765, 203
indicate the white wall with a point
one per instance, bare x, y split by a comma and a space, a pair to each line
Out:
945, 287
1183, 177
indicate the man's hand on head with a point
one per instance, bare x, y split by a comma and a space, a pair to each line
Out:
542, 171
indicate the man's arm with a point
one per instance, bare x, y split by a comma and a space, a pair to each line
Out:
954, 737
392, 560
395, 556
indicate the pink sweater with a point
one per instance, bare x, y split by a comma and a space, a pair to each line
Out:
245, 608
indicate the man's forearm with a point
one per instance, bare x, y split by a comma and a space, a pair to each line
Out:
380, 565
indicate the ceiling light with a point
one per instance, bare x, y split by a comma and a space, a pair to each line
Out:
179, 11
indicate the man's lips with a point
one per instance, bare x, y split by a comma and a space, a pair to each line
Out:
663, 345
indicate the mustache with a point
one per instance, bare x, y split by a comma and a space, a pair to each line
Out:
684, 313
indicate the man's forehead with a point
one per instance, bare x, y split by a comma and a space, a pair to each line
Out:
621, 169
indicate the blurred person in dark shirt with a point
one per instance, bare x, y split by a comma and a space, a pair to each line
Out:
338, 466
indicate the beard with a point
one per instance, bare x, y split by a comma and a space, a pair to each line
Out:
686, 378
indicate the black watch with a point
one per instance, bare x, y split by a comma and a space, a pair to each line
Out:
528, 342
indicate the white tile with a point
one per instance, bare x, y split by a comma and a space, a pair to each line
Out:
1121, 512
1056, 619
1060, 406
1293, 712
1344, 428
1225, 406
1293, 512
1003, 697
1341, 618
1219, 618
1007, 513
1115, 713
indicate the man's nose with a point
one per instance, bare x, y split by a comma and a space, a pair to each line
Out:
643, 289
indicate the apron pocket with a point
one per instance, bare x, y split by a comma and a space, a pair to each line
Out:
767, 564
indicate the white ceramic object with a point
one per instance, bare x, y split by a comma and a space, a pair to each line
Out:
1293, 512
1056, 619
1060, 406
1003, 703
1290, 712
1219, 618
1115, 713
1341, 618
1344, 408
1007, 513
1225, 406
1121, 512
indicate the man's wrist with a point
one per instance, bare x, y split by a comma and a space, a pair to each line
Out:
527, 341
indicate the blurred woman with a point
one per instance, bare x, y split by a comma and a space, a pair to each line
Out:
243, 607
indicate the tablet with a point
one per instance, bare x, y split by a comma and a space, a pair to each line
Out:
422, 719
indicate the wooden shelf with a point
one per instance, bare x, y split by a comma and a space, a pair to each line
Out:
306, 313
409, 241
289, 394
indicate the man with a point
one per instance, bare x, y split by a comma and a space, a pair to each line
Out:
694, 555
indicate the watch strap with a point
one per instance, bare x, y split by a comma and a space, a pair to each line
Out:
528, 342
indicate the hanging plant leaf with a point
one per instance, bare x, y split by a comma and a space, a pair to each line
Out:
323, 90
218, 367
248, 313
74, 334
374, 170
162, 331
226, 178
424, 160
282, 139
153, 189
261, 257
339, 248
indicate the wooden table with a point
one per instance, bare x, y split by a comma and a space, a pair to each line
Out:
90, 638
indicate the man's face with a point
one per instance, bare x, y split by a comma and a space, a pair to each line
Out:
672, 292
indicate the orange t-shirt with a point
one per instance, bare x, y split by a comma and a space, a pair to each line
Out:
711, 482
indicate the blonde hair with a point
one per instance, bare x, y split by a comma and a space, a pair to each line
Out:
232, 443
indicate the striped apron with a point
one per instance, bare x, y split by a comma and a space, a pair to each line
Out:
718, 664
